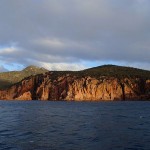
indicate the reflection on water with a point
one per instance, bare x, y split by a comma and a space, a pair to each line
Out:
38, 125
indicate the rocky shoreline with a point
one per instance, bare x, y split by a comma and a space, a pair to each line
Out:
71, 87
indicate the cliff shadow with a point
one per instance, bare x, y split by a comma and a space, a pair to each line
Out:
4, 84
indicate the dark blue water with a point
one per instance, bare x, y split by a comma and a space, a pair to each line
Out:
39, 125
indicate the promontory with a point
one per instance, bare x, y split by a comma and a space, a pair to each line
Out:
108, 82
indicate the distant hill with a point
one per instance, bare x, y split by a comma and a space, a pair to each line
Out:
116, 71
9, 78
109, 71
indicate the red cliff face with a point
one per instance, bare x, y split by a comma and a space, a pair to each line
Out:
70, 87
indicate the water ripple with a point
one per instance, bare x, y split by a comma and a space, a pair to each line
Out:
71, 126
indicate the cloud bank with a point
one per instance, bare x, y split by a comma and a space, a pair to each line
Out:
71, 34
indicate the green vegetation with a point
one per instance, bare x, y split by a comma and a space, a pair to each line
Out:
117, 71
106, 71
9, 78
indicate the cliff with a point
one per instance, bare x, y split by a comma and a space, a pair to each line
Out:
81, 85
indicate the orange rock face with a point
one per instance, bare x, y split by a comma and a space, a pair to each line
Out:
70, 87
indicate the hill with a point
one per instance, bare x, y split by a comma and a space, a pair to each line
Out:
117, 71
108, 82
9, 78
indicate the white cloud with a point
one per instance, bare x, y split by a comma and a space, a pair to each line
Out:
7, 50
50, 43
61, 66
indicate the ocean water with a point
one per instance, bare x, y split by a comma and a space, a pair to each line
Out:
47, 125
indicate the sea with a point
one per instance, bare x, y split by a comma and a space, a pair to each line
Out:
61, 125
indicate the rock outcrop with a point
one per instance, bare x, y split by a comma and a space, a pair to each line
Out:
69, 86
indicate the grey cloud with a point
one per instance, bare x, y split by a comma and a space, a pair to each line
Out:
72, 31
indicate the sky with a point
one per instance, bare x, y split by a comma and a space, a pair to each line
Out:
74, 34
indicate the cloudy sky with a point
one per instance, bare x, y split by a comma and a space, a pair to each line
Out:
74, 34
